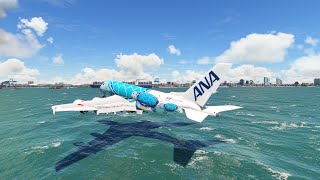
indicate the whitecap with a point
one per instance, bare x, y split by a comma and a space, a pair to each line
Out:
206, 129
218, 136
199, 151
273, 107
265, 122
41, 122
19, 109
233, 96
278, 174
56, 144
286, 125
39, 147
252, 115
292, 105
198, 159
230, 140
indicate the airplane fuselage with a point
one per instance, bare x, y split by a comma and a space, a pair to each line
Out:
147, 99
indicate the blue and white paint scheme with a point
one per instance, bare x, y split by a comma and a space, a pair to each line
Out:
127, 97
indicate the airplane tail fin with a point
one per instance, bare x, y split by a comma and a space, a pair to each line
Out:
201, 91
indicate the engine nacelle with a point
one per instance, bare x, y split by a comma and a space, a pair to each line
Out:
170, 107
145, 99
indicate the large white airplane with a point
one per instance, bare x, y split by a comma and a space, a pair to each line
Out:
126, 97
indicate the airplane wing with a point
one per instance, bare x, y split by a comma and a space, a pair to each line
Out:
110, 104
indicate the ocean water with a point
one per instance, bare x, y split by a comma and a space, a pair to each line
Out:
275, 136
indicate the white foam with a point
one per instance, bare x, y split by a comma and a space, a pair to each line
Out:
278, 174
201, 152
56, 144
39, 147
273, 107
265, 122
206, 129
317, 126
252, 115
225, 139
293, 105
230, 140
198, 159
218, 136
41, 122
286, 125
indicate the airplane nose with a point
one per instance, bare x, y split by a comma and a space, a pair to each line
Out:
104, 86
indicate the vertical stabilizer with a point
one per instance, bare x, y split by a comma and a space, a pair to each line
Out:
201, 91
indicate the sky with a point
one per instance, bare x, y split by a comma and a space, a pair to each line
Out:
81, 41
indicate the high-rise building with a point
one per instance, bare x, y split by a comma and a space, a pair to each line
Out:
266, 81
278, 82
241, 83
317, 81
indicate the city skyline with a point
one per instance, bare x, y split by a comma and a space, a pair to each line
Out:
54, 41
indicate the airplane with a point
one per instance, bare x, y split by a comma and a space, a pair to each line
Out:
126, 97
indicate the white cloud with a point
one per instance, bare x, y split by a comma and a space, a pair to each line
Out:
188, 76
58, 59
131, 67
311, 41
16, 69
50, 40
258, 48
6, 5
248, 72
173, 50
36, 23
22, 45
205, 60
304, 69
134, 64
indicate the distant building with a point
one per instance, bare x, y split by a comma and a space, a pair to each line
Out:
10, 83
251, 83
278, 82
247, 82
30, 82
317, 82
266, 81
241, 82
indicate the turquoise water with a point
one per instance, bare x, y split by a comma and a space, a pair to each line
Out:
275, 136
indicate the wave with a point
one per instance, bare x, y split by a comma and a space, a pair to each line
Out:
286, 125
198, 159
41, 122
278, 174
243, 114
230, 140
56, 144
265, 122
206, 129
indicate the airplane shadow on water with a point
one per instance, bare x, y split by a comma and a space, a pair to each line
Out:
182, 153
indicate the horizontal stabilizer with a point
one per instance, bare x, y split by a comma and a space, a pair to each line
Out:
213, 110
195, 115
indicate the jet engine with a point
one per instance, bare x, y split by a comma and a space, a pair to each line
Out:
170, 107
145, 99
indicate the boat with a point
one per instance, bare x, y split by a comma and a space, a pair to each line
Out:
96, 84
